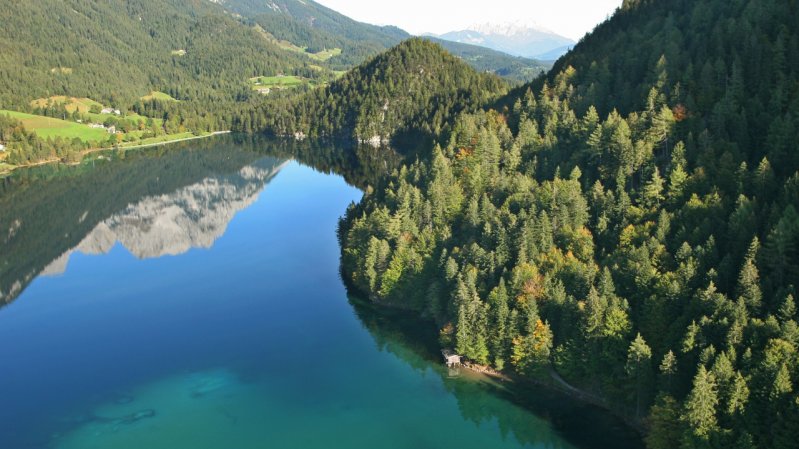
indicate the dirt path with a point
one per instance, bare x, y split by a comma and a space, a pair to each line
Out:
155, 144
572, 389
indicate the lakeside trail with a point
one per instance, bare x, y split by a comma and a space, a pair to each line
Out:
558, 381
559, 384
155, 144
84, 153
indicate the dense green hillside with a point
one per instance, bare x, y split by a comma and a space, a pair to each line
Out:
416, 87
631, 222
483, 59
117, 51
315, 27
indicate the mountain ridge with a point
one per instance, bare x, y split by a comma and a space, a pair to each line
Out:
514, 38
414, 88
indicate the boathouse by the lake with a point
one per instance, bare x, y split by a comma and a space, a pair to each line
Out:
451, 358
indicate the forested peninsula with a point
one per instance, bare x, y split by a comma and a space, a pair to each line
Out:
629, 221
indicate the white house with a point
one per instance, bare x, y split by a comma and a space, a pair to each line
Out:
106, 111
2, 147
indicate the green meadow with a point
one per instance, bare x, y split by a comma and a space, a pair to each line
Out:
155, 95
280, 82
71, 104
48, 127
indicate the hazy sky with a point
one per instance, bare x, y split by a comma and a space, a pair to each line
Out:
570, 18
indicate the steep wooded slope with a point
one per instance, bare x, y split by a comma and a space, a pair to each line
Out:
631, 221
117, 51
414, 87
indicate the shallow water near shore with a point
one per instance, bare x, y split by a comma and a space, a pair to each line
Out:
201, 306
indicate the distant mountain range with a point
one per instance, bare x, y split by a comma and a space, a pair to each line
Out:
316, 28
517, 39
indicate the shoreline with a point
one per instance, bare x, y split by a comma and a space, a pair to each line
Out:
89, 151
155, 144
556, 383
559, 385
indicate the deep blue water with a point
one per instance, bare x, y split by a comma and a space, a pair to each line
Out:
209, 313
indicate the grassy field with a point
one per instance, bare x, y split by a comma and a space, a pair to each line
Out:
155, 95
276, 81
279, 82
50, 127
324, 55
83, 105
321, 56
71, 104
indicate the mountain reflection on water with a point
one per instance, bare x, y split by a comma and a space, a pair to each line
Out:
156, 202
171, 224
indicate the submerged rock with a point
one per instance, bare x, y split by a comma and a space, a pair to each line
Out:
136, 417
209, 385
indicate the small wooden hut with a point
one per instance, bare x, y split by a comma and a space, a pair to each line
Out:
450, 358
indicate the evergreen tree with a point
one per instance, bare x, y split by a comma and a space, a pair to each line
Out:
700, 407
639, 357
668, 370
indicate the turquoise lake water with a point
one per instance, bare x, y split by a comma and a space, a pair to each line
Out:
191, 298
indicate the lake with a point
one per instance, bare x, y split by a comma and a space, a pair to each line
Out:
189, 296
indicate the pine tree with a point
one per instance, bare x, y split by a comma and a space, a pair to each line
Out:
639, 356
463, 337
595, 307
737, 395
782, 383
668, 370
787, 309
652, 194
500, 314
700, 406
748, 285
